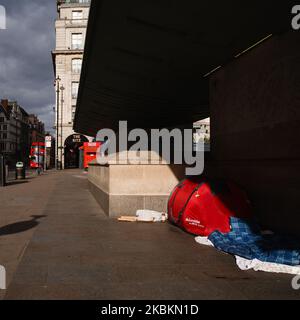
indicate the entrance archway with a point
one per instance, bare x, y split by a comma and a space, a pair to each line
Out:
72, 145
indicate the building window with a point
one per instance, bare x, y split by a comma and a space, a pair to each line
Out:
1, 119
2, 146
76, 65
5, 127
77, 16
75, 87
77, 41
73, 112
4, 135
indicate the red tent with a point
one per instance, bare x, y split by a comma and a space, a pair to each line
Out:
201, 206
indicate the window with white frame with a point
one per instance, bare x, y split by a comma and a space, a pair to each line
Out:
77, 16
76, 65
77, 41
75, 87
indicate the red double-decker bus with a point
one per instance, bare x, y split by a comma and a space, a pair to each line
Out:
37, 155
89, 152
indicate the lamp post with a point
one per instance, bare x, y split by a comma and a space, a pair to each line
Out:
57, 82
61, 126
15, 116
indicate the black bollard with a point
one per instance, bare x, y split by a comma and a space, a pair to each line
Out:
2, 171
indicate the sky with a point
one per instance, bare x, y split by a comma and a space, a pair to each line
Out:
26, 71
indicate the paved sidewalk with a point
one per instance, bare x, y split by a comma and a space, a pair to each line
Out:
19, 201
76, 252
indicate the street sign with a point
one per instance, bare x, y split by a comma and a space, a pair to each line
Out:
48, 141
76, 138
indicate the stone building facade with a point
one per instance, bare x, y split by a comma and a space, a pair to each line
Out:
37, 129
70, 26
202, 133
14, 132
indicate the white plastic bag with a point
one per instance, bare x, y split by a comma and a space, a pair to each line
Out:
151, 216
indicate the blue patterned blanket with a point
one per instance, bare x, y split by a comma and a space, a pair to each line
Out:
245, 240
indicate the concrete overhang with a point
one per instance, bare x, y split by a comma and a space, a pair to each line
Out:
149, 61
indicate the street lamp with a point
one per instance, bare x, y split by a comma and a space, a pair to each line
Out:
15, 117
57, 82
62, 88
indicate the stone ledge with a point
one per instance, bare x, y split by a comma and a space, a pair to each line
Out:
121, 189
118, 205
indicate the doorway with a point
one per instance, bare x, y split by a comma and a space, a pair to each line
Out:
72, 150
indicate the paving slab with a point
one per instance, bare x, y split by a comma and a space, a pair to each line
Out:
74, 251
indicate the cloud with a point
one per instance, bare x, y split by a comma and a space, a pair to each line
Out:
26, 71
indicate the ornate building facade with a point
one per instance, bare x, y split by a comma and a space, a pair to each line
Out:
70, 27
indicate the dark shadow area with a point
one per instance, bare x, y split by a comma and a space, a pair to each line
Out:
22, 226
16, 182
